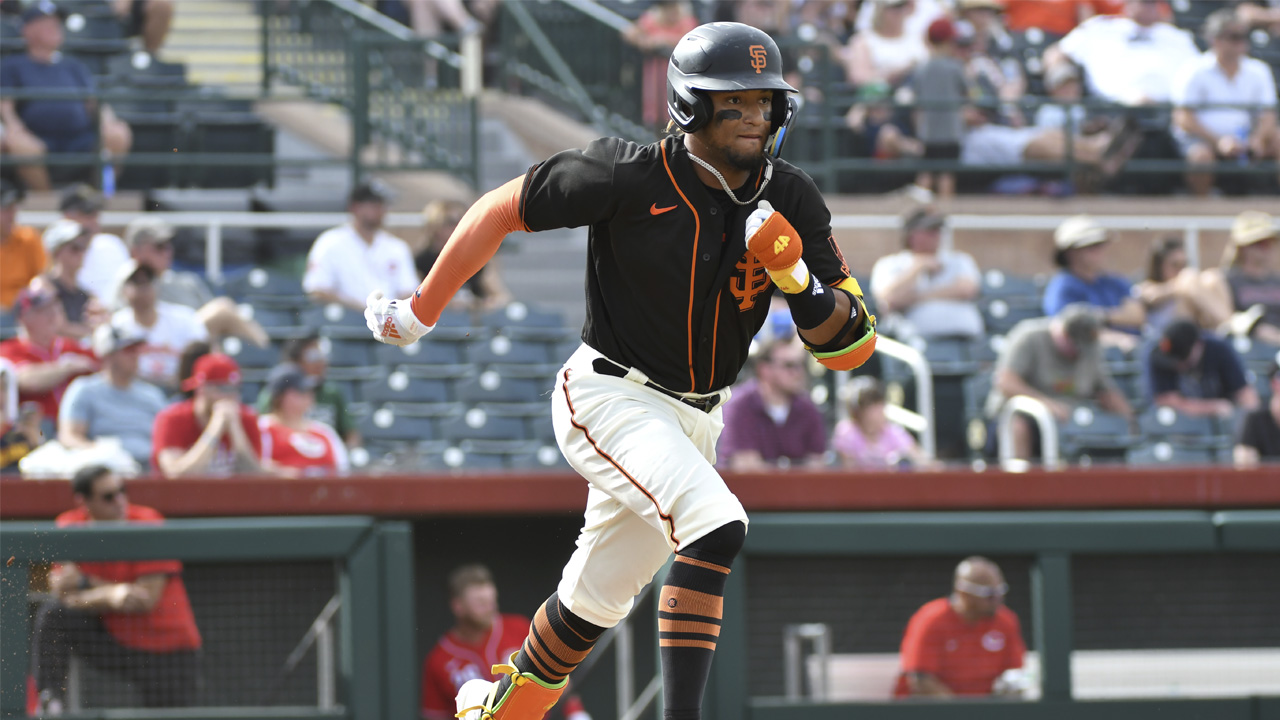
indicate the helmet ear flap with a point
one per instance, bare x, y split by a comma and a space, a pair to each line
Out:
690, 109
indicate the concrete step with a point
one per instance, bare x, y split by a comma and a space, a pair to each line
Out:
197, 58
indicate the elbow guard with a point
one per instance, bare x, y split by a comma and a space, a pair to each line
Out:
850, 356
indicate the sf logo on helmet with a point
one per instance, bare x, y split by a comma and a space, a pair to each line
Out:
759, 57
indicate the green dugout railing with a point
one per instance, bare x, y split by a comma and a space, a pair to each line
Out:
1051, 537
377, 661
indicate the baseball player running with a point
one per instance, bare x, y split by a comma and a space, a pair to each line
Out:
688, 237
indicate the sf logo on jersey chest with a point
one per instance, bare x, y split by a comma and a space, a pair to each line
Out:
748, 282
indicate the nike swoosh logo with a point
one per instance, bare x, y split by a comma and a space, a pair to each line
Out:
655, 210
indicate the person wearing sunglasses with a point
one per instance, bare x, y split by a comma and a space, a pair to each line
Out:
213, 433
770, 421
960, 645
125, 618
1242, 128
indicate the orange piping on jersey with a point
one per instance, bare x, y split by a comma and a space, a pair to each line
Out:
715, 334
671, 523
759, 177
473, 243
693, 263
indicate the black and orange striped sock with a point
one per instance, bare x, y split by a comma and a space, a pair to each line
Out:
689, 616
558, 640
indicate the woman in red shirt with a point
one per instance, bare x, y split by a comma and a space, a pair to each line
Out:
294, 445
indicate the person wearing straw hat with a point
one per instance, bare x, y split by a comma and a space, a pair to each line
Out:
1080, 246
1246, 285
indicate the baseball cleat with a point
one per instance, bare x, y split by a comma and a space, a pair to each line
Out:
528, 698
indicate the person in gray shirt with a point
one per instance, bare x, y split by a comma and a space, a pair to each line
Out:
1058, 361
940, 90
113, 402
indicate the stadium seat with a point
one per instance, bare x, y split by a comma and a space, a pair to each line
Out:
502, 349
536, 417
998, 284
1093, 429
1167, 424
476, 424
249, 355
398, 386
350, 353
336, 321
424, 352
539, 456
1000, 315
492, 386
259, 283
271, 318
1164, 453
949, 356
384, 424
520, 322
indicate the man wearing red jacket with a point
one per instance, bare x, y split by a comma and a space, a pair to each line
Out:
130, 618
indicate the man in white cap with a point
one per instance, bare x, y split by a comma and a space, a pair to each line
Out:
113, 402
1246, 287
65, 243
107, 253
1080, 246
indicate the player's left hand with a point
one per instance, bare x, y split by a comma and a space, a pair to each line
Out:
392, 321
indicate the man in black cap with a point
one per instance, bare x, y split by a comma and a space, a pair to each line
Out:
33, 127
1058, 361
1259, 437
106, 254
1198, 373
350, 261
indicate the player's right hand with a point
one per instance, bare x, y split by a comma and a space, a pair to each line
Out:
392, 321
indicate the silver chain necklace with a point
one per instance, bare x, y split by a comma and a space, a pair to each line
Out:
768, 174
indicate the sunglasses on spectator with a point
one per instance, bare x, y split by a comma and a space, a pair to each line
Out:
112, 495
982, 591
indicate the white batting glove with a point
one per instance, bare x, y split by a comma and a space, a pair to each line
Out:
758, 216
392, 321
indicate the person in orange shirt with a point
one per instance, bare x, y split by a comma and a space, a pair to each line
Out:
1055, 17
130, 618
960, 645
22, 254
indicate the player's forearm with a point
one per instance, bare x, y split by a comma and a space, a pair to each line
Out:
474, 242
825, 334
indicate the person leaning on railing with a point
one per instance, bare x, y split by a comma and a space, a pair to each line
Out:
130, 618
34, 127
1259, 436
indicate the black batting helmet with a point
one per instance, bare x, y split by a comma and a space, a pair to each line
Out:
723, 56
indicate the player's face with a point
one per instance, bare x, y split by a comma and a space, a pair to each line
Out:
739, 127
982, 592
369, 215
478, 606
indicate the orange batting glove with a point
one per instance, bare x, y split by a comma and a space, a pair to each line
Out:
778, 247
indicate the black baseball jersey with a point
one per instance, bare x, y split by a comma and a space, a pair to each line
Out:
671, 289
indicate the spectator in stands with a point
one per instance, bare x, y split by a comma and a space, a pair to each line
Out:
347, 263
1063, 110
1080, 253
22, 255
330, 406
1260, 14
880, 134
656, 33
771, 422
1225, 75
485, 290
926, 291
187, 364
1174, 290
213, 433
130, 618
65, 243
20, 431
1058, 361
918, 14
150, 242
1245, 289
939, 85
168, 327
294, 445
1056, 17
1259, 436
991, 50
46, 361
1197, 373
867, 439
480, 638
107, 253
114, 402
429, 18
35, 127
960, 645
888, 51
149, 19
1129, 59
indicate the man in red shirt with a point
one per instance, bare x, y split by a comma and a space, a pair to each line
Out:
213, 433
46, 361
480, 638
960, 645
131, 618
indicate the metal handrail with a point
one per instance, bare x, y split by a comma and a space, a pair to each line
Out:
1048, 432
925, 411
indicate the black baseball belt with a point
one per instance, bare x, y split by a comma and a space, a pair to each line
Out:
605, 366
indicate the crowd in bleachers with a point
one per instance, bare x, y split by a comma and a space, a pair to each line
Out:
1002, 83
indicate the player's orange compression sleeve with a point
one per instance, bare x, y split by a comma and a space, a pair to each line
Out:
473, 243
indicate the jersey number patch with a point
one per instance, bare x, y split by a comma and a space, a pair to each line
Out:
753, 281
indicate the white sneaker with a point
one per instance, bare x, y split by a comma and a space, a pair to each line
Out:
474, 696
